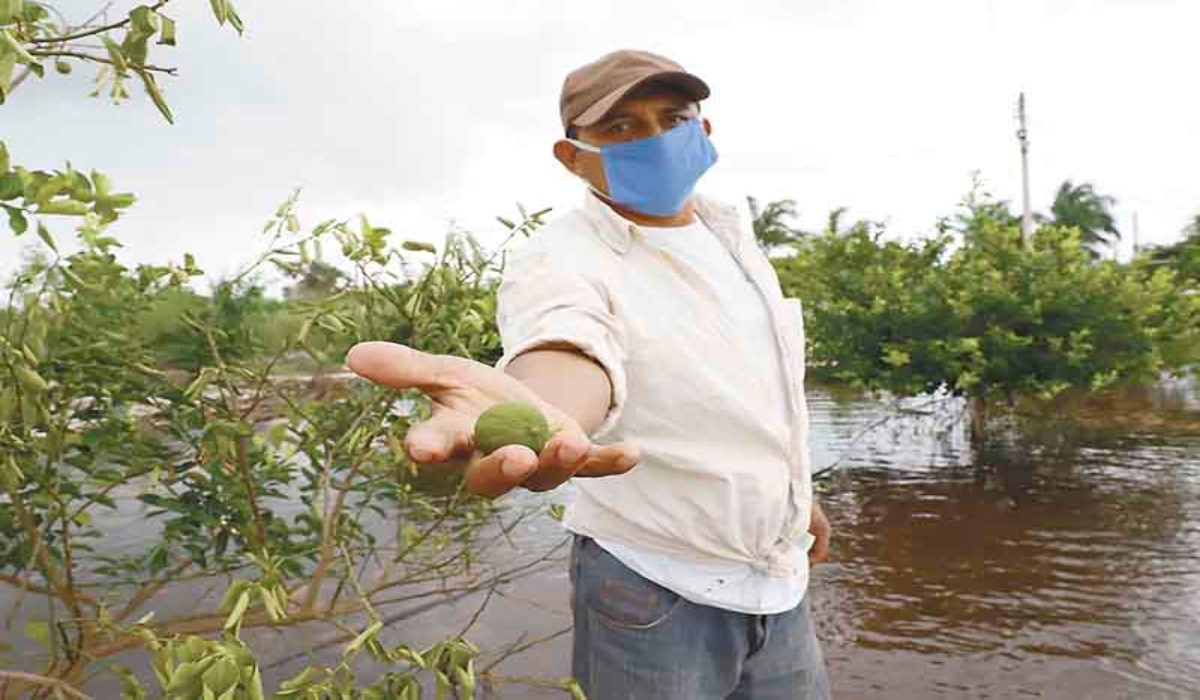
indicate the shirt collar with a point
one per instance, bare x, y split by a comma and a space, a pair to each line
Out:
619, 233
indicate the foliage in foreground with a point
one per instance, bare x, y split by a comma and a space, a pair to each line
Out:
305, 509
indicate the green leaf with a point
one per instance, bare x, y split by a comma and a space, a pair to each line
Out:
239, 609
4, 158
144, 20
11, 186
44, 234
102, 184
10, 11
136, 49
47, 187
167, 35
64, 207
156, 95
115, 55
15, 47
357, 642
11, 476
121, 201
220, 10
8, 63
16, 220
222, 675
131, 687
465, 678
34, 12
187, 679
296, 683
158, 560
254, 689
234, 19
31, 381
419, 247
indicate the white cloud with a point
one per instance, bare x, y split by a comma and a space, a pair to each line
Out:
423, 112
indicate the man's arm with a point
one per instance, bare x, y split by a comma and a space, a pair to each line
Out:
568, 380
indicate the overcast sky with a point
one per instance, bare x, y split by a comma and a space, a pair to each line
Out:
424, 112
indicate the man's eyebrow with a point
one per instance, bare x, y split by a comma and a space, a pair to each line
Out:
618, 114
612, 117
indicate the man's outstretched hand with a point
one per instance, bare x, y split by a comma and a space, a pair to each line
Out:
460, 390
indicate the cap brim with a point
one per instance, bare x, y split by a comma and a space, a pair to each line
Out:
686, 83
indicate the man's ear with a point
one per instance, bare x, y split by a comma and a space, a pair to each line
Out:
707, 126
567, 154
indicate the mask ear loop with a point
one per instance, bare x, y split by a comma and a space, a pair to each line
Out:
589, 148
584, 146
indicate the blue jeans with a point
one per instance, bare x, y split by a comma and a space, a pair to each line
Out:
634, 639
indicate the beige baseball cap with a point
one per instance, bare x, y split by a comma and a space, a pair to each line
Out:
590, 91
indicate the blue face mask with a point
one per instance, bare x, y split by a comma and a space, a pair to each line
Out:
656, 175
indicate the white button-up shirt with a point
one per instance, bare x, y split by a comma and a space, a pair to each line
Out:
725, 478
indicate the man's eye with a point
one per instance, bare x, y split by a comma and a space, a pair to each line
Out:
619, 129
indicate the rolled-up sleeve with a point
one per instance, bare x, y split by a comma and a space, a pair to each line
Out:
541, 302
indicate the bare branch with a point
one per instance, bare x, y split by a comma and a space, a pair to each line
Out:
32, 679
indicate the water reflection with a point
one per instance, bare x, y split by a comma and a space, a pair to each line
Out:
989, 563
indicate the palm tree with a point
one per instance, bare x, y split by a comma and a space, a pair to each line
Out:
1184, 255
1081, 207
771, 224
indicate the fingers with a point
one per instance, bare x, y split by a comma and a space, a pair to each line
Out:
564, 455
501, 471
399, 366
822, 532
820, 550
610, 460
443, 436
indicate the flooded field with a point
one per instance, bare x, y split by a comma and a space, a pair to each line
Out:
1061, 561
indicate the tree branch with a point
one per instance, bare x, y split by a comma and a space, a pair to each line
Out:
53, 53
94, 31
149, 590
32, 679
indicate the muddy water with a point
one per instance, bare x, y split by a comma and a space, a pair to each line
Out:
1061, 561
1065, 565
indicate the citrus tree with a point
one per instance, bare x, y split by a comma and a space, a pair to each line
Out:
970, 311
269, 502
302, 505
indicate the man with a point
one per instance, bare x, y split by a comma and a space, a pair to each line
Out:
652, 331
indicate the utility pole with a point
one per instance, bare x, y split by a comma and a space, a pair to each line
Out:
1135, 234
1023, 137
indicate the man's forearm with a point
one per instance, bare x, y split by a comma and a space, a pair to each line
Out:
569, 380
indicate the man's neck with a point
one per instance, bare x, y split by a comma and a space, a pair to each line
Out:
685, 217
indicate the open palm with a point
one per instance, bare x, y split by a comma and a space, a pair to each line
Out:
460, 390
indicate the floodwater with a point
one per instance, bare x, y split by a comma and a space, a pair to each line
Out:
1058, 560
